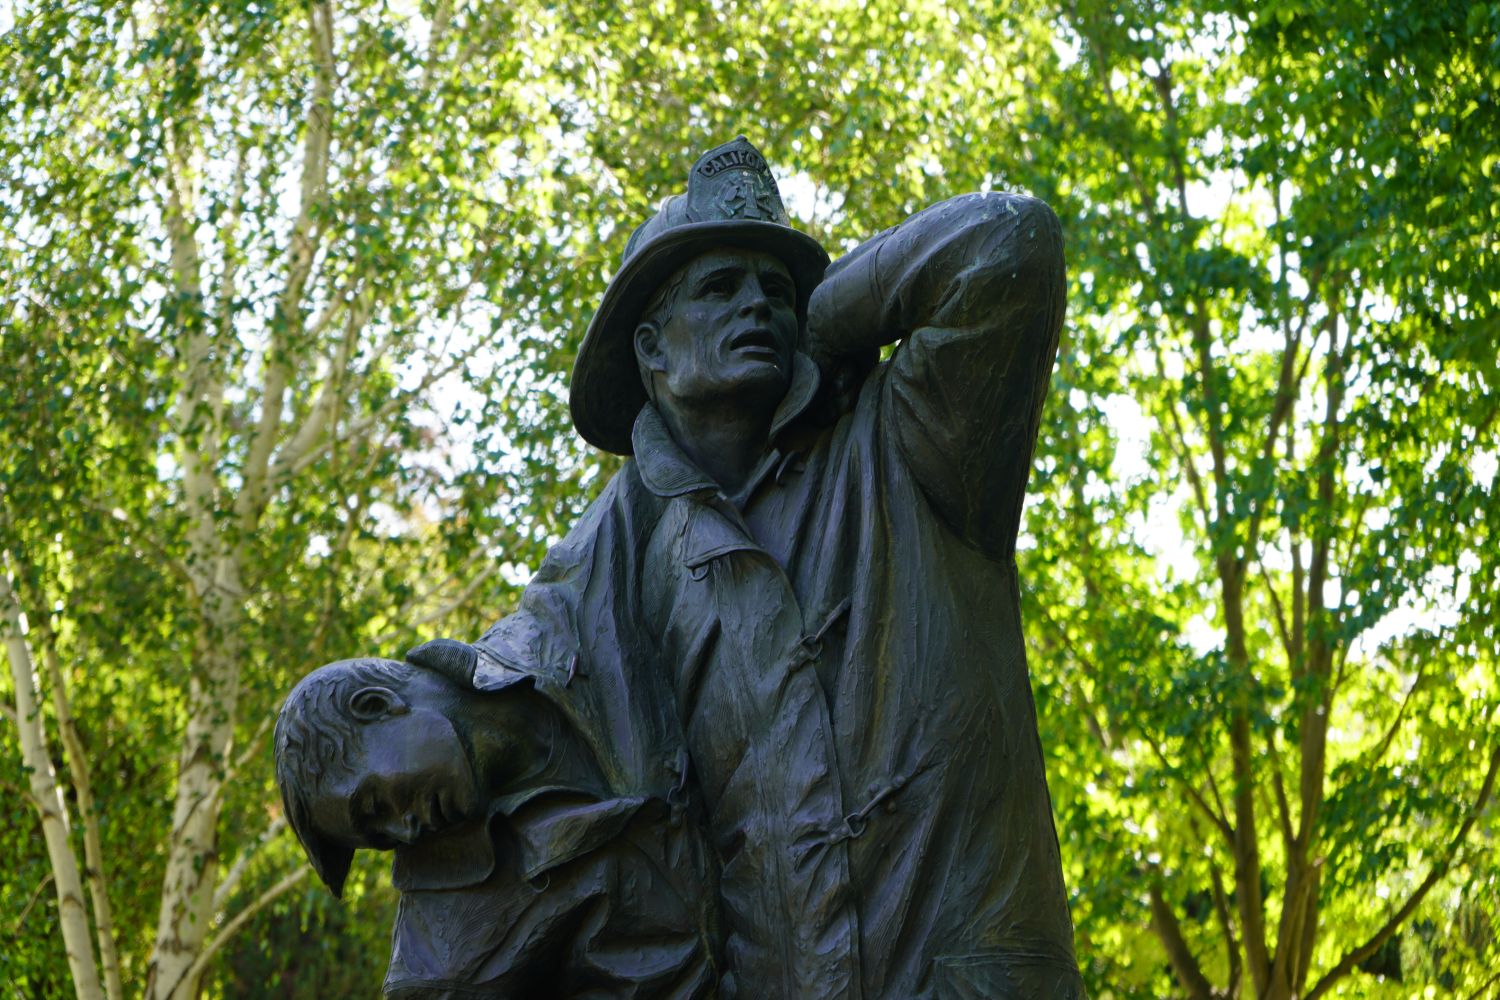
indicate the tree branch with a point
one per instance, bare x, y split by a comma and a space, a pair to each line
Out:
1314, 723
1378, 752
227, 235
231, 879
1484, 986
210, 949
252, 746
1231, 944
1283, 806
1220, 822
443, 610
1213, 787
1247, 869
330, 396
1102, 69
1299, 609
36, 894
133, 535
287, 322
1102, 732
367, 423
198, 409
1213, 419
1275, 599
1183, 453
1189, 972
1288, 384
1162, 83
1351, 960
1300, 904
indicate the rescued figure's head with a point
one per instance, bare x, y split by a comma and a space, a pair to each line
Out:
367, 755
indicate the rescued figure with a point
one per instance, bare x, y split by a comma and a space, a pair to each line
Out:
512, 842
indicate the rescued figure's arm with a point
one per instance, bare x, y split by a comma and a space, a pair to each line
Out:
973, 288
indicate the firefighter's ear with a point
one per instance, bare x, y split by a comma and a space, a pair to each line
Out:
648, 351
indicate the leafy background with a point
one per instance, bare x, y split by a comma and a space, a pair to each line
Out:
289, 293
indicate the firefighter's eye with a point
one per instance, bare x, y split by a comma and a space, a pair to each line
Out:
718, 284
777, 288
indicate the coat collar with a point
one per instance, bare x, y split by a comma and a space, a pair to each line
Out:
668, 472
552, 827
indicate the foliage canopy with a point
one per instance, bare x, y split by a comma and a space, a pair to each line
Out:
290, 294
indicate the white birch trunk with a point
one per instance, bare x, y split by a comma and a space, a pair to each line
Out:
192, 854
43, 781
213, 569
88, 816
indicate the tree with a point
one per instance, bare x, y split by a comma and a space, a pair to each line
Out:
215, 389
292, 290
1284, 265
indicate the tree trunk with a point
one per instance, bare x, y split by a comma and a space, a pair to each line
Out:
88, 816
43, 781
192, 858
29, 593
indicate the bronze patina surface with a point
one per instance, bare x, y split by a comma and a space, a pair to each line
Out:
784, 646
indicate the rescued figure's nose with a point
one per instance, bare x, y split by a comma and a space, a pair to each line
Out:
403, 829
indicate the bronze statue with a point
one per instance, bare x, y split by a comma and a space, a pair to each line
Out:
802, 585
